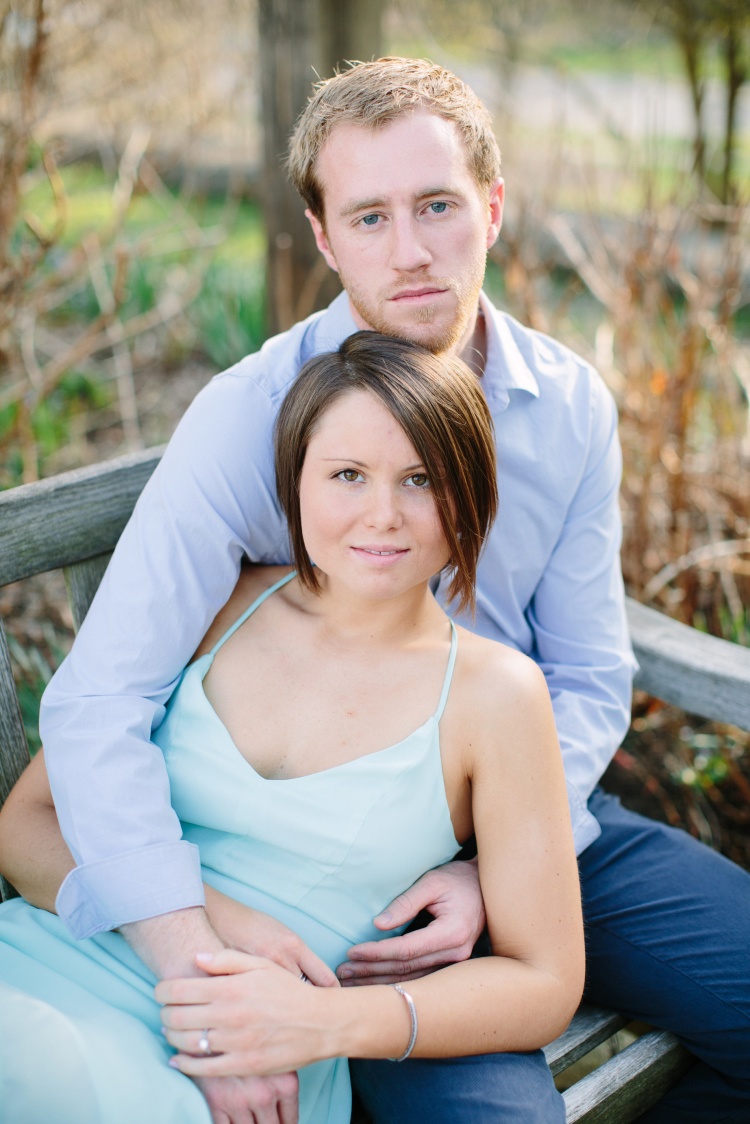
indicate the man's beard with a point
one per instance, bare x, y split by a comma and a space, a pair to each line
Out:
443, 337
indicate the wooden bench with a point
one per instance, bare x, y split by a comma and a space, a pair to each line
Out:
72, 522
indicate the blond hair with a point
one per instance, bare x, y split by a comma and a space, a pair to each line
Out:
372, 94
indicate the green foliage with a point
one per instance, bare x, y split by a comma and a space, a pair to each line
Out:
708, 757
229, 314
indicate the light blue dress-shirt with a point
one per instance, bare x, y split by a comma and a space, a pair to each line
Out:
549, 584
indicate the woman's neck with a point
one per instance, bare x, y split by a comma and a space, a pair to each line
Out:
347, 619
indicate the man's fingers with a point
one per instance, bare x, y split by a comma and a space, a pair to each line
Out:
404, 908
374, 971
438, 938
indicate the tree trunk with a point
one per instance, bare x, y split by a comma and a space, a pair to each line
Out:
300, 39
690, 46
736, 75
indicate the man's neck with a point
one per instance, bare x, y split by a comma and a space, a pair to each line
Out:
472, 347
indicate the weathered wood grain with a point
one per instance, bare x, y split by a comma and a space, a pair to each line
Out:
680, 665
69, 517
589, 1027
625, 1086
14, 750
82, 581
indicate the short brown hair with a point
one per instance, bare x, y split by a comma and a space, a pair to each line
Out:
438, 403
374, 93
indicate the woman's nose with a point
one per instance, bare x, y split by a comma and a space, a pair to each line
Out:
383, 510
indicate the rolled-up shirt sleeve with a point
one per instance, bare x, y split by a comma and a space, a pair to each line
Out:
176, 564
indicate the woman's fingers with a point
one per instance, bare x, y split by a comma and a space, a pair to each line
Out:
316, 970
199, 1043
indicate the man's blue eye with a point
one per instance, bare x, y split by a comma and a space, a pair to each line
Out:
438, 208
370, 220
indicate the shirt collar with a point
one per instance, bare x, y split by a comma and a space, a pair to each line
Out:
332, 328
505, 368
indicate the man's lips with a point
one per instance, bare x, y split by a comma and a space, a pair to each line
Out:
418, 294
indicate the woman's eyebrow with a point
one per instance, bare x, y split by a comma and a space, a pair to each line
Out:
362, 464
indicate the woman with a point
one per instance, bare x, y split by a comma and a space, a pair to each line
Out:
274, 741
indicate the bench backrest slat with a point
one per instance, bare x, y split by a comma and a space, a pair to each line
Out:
69, 517
701, 673
82, 581
14, 749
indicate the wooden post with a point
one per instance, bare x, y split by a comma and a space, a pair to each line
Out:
298, 41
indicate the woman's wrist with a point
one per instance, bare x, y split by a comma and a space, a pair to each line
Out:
367, 1022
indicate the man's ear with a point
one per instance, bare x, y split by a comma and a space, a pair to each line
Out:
497, 198
321, 240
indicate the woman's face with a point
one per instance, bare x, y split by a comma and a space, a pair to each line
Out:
369, 518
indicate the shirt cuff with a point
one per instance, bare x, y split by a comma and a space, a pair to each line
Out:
585, 825
145, 883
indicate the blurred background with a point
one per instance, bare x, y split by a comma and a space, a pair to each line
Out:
148, 239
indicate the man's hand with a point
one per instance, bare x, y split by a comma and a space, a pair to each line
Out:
258, 934
252, 1100
452, 895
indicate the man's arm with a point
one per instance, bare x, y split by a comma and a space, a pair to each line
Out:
579, 624
175, 566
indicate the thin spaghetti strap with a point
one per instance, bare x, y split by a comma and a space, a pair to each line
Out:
448, 673
249, 611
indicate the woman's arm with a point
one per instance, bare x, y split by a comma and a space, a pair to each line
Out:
35, 859
519, 999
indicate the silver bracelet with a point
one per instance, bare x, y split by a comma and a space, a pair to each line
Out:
414, 1023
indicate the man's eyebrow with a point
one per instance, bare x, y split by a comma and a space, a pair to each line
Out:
373, 204
361, 205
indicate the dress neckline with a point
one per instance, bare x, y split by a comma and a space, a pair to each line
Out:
204, 662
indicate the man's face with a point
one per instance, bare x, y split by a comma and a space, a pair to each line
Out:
407, 227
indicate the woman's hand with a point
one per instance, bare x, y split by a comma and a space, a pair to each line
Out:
258, 934
258, 1019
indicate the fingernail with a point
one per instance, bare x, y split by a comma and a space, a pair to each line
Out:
346, 974
205, 957
164, 1031
386, 916
173, 1063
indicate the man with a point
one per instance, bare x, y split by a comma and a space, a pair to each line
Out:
400, 172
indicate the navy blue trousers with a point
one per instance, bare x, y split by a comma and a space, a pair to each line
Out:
667, 942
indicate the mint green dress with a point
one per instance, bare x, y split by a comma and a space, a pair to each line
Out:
324, 853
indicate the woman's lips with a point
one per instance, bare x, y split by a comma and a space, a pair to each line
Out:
380, 554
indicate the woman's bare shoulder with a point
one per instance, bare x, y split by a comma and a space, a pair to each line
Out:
252, 582
494, 679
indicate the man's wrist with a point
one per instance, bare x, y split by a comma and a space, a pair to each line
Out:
167, 944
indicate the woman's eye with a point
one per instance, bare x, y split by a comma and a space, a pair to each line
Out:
349, 474
418, 480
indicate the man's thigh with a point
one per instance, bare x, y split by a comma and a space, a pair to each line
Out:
668, 934
486, 1089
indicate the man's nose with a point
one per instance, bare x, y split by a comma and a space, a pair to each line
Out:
409, 249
